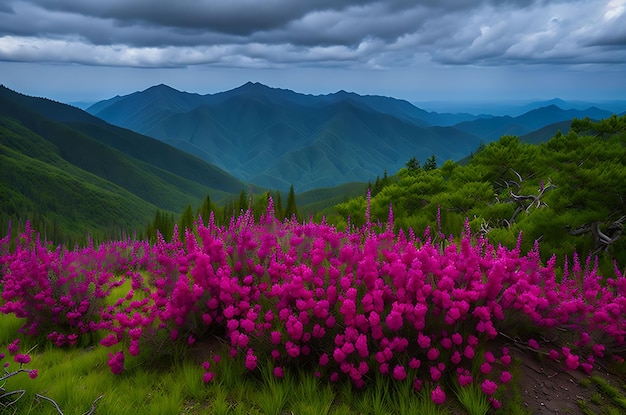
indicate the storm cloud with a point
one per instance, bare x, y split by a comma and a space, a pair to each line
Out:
275, 33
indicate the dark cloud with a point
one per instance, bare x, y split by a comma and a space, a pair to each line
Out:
272, 33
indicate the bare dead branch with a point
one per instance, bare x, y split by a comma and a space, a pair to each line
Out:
56, 405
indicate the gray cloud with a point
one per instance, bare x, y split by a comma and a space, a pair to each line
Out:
274, 33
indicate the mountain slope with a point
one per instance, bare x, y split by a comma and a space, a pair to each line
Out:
75, 169
275, 138
493, 128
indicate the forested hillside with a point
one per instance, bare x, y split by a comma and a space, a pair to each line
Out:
72, 174
569, 193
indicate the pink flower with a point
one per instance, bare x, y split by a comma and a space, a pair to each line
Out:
532, 343
394, 320
456, 357
275, 337
506, 360
339, 355
208, 377
414, 363
446, 343
438, 396
495, 404
505, 377
457, 339
14, 346
251, 360
435, 373
324, 359
485, 368
554, 355
116, 362
465, 377
399, 373
33, 374
423, 341
489, 357
21, 358
432, 354
598, 350
571, 361
468, 352
489, 387
279, 372
361, 346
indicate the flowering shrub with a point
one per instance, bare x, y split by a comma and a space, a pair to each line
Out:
355, 302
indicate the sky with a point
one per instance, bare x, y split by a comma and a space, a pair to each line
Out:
421, 51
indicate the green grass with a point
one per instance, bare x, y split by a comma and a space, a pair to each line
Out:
75, 378
472, 399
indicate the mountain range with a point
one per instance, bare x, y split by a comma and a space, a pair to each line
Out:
276, 138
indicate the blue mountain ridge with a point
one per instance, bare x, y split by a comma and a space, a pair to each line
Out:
277, 137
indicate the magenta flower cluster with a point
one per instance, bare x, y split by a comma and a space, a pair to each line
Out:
356, 302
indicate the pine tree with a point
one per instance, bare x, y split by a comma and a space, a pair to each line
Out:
205, 209
278, 206
430, 163
243, 203
291, 209
186, 222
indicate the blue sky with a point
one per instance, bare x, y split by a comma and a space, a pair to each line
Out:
431, 50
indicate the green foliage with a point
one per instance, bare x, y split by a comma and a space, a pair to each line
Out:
291, 210
565, 187
472, 398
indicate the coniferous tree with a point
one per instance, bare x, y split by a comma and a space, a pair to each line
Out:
291, 209
430, 163
186, 221
205, 210
278, 206
413, 165
243, 203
